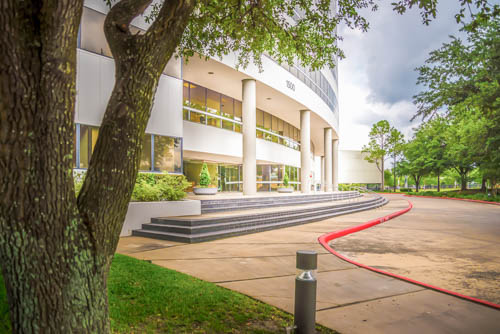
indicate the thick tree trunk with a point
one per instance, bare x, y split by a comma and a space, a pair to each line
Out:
483, 184
53, 280
463, 181
55, 251
417, 182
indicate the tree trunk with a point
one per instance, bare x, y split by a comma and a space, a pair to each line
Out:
53, 280
383, 176
439, 181
394, 174
483, 184
417, 182
463, 179
55, 251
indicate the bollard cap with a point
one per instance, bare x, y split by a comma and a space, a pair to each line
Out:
307, 260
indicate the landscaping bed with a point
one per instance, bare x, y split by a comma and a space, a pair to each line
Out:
468, 194
146, 298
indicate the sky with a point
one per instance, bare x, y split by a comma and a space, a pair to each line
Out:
377, 79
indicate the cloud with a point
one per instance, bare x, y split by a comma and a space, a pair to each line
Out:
394, 46
377, 79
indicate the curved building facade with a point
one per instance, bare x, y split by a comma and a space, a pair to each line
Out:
250, 126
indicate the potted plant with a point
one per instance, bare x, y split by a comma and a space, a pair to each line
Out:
286, 187
205, 182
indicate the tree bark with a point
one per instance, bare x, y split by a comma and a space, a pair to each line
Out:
394, 173
439, 181
483, 184
383, 176
53, 282
55, 250
417, 182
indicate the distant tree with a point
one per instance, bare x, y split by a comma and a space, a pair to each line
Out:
436, 146
378, 146
396, 143
463, 77
466, 137
416, 162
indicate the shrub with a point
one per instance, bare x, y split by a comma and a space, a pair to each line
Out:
285, 180
205, 180
152, 187
405, 190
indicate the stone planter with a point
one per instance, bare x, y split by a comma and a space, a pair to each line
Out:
285, 190
204, 191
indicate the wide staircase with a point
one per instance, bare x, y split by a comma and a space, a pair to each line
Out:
236, 216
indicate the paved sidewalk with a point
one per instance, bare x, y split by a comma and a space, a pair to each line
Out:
350, 299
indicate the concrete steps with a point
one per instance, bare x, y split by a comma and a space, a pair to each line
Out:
233, 204
199, 229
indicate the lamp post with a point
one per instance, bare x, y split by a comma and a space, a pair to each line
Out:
305, 292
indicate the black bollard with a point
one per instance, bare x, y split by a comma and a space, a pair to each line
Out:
305, 293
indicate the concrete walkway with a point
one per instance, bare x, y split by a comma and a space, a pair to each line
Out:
350, 299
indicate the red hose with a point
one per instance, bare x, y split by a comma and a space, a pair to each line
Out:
326, 238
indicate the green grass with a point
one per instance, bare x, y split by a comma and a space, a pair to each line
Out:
468, 194
145, 298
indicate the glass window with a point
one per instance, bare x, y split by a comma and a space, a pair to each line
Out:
145, 163
177, 155
227, 106
213, 102
92, 32
213, 121
237, 110
280, 131
237, 115
259, 118
197, 117
164, 154
227, 110
84, 146
197, 97
274, 176
274, 127
286, 127
88, 139
267, 121
185, 93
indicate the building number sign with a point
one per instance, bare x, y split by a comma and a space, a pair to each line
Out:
290, 85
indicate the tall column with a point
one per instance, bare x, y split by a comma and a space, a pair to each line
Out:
249, 139
328, 159
305, 151
335, 165
323, 174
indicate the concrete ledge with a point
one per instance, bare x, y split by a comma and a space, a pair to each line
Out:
141, 212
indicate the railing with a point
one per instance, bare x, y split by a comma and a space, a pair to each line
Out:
266, 134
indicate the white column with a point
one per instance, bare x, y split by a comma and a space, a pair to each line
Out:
249, 140
305, 151
328, 159
322, 174
335, 165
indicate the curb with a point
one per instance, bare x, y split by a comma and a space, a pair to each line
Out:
456, 199
325, 238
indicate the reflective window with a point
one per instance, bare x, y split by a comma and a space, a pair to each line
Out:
145, 163
213, 102
197, 97
237, 115
92, 32
167, 154
86, 142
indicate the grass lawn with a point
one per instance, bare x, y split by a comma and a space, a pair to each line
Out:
146, 298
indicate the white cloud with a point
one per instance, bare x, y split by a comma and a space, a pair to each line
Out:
377, 79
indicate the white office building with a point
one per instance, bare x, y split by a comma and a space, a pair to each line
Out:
249, 126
